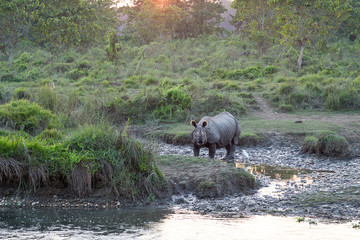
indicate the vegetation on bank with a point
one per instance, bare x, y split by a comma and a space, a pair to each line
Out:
83, 158
326, 143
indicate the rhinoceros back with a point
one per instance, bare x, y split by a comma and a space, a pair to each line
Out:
222, 129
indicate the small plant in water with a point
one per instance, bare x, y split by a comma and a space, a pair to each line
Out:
300, 219
356, 225
312, 222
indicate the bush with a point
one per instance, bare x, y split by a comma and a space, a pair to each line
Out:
75, 74
138, 109
21, 93
26, 116
328, 144
286, 108
25, 58
175, 104
9, 77
271, 70
216, 101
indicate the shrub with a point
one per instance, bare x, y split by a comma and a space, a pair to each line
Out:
51, 136
24, 58
138, 109
326, 143
217, 101
175, 103
62, 67
21, 93
9, 77
75, 74
286, 108
132, 82
26, 116
84, 65
271, 70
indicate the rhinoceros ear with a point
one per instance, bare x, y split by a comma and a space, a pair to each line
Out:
205, 123
192, 122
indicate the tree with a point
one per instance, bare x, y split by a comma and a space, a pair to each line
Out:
351, 25
145, 21
206, 16
65, 23
309, 22
150, 19
16, 18
256, 20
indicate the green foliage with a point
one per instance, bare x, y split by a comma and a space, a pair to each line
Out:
218, 101
286, 108
326, 143
10, 77
317, 92
149, 20
250, 73
27, 116
82, 23
256, 20
122, 163
300, 219
16, 19
174, 105
138, 109
21, 93
111, 51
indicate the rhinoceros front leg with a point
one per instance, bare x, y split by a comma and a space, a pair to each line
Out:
228, 149
196, 150
212, 150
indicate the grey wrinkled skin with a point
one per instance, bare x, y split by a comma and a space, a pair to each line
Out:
220, 131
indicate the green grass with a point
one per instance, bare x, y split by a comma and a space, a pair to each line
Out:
349, 195
252, 128
107, 155
287, 126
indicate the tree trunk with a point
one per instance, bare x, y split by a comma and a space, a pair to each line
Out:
11, 56
300, 59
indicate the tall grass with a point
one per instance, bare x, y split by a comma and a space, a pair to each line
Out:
89, 155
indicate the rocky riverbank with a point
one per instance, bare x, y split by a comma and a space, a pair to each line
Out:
292, 184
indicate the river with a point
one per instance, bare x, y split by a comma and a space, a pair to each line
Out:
159, 223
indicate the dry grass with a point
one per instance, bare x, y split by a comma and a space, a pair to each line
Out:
80, 180
10, 169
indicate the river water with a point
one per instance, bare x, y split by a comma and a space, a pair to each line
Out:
159, 223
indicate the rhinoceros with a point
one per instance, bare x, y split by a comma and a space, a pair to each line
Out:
220, 131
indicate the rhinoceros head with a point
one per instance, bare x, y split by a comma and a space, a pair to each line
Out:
199, 135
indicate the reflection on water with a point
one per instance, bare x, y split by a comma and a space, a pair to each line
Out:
150, 223
273, 172
285, 178
68, 222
